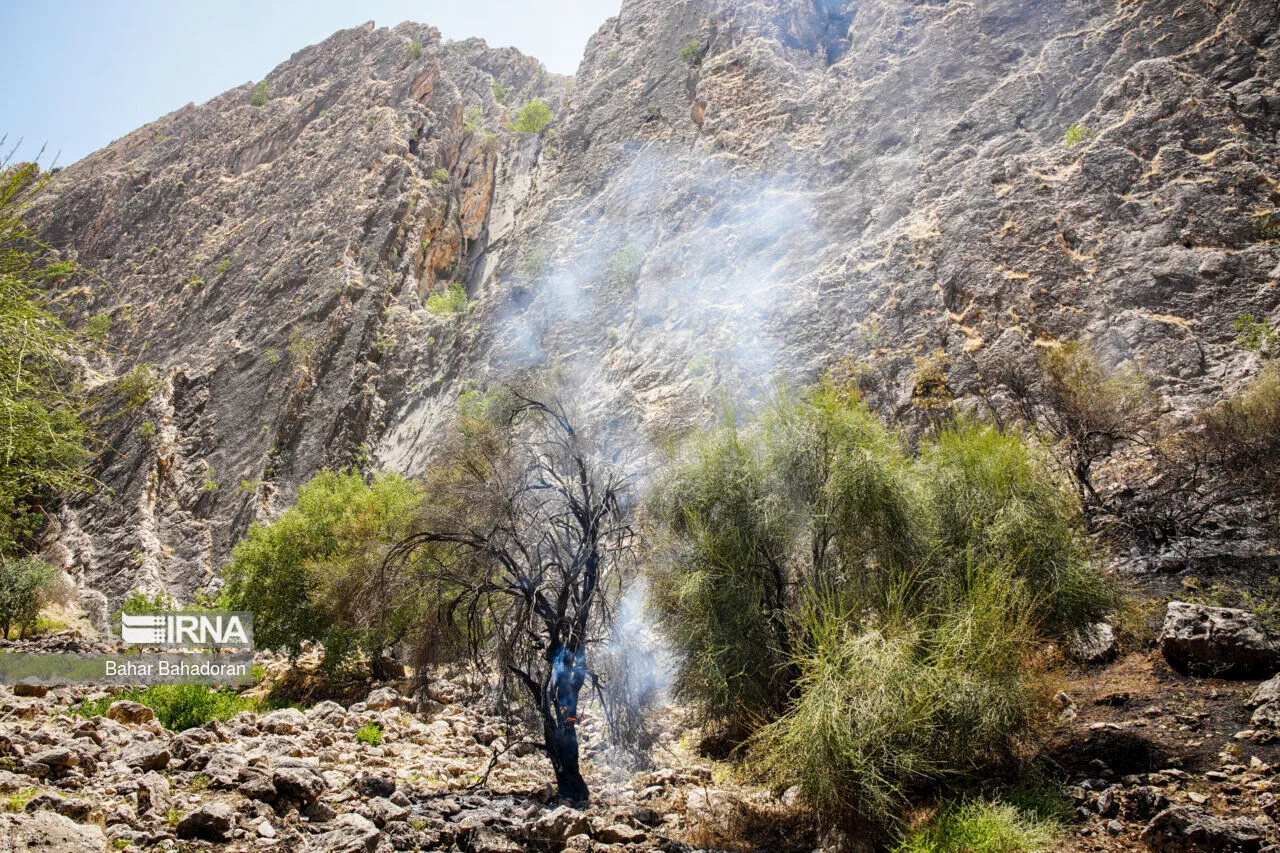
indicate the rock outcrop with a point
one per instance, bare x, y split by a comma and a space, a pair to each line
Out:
731, 190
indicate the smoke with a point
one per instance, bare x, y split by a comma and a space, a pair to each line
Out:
637, 669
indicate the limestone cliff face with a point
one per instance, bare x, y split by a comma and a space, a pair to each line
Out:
271, 262
732, 190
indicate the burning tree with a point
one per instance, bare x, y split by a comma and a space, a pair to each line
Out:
522, 536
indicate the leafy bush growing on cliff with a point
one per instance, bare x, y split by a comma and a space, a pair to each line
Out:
450, 301
1075, 135
534, 117
261, 94
692, 52
413, 50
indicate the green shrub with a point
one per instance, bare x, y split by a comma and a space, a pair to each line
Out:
27, 586
451, 301
692, 52
991, 498
534, 264
261, 94
315, 573
97, 328
1075, 135
623, 268
500, 92
534, 117
370, 733
1256, 335
440, 176
178, 706
982, 826
413, 50
874, 615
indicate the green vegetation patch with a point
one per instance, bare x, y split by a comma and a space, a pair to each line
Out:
177, 706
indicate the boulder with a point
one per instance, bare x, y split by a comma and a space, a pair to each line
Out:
1094, 643
57, 757
32, 689
377, 785
347, 833
556, 826
382, 699
286, 721
1267, 691
153, 794
223, 769
210, 822
619, 833
1183, 829
130, 713
46, 832
1220, 642
382, 811
298, 779
326, 711
146, 755
256, 784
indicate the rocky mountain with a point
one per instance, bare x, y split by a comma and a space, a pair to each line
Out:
729, 191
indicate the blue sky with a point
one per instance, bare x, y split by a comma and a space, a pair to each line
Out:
79, 73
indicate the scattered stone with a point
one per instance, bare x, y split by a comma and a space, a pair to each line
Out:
130, 713
349, 833
47, 832
298, 779
146, 755
377, 785
210, 822
1182, 829
558, 825
153, 794
1093, 644
382, 699
382, 811
1221, 642
620, 833
285, 721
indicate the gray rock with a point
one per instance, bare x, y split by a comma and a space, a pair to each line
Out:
347, 833
256, 784
619, 833
377, 785
46, 832
130, 713
557, 825
382, 811
154, 794
1219, 642
1182, 829
57, 757
146, 755
285, 721
382, 699
298, 779
223, 768
1094, 643
1267, 691
36, 690
210, 822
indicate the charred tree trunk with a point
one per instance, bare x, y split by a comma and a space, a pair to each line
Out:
560, 721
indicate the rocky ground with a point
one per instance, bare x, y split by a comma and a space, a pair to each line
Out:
1149, 757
